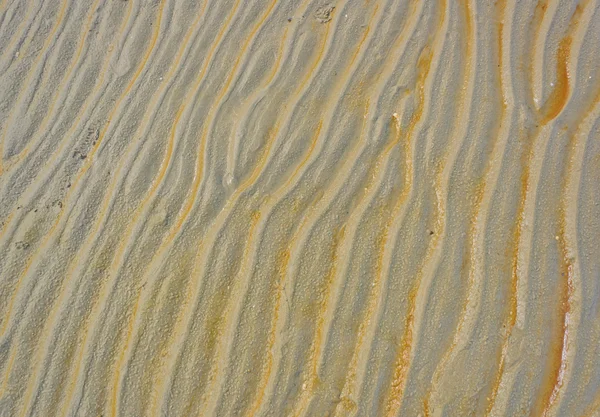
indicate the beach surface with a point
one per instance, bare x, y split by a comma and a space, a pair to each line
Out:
299, 208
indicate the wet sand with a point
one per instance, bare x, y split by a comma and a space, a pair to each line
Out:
299, 208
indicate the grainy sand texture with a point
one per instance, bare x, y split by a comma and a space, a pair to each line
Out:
299, 208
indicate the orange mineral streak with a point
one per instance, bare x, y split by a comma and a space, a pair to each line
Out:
347, 404
183, 215
187, 208
338, 237
252, 179
479, 191
468, 272
312, 380
261, 163
284, 258
402, 360
593, 409
517, 232
401, 365
500, 9
558, 97
393, 398
553, 106
558, 359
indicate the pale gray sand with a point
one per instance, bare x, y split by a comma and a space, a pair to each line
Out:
299, 208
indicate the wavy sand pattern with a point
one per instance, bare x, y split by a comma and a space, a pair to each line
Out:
299, 208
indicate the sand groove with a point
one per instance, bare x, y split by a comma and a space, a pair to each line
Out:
303, 208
